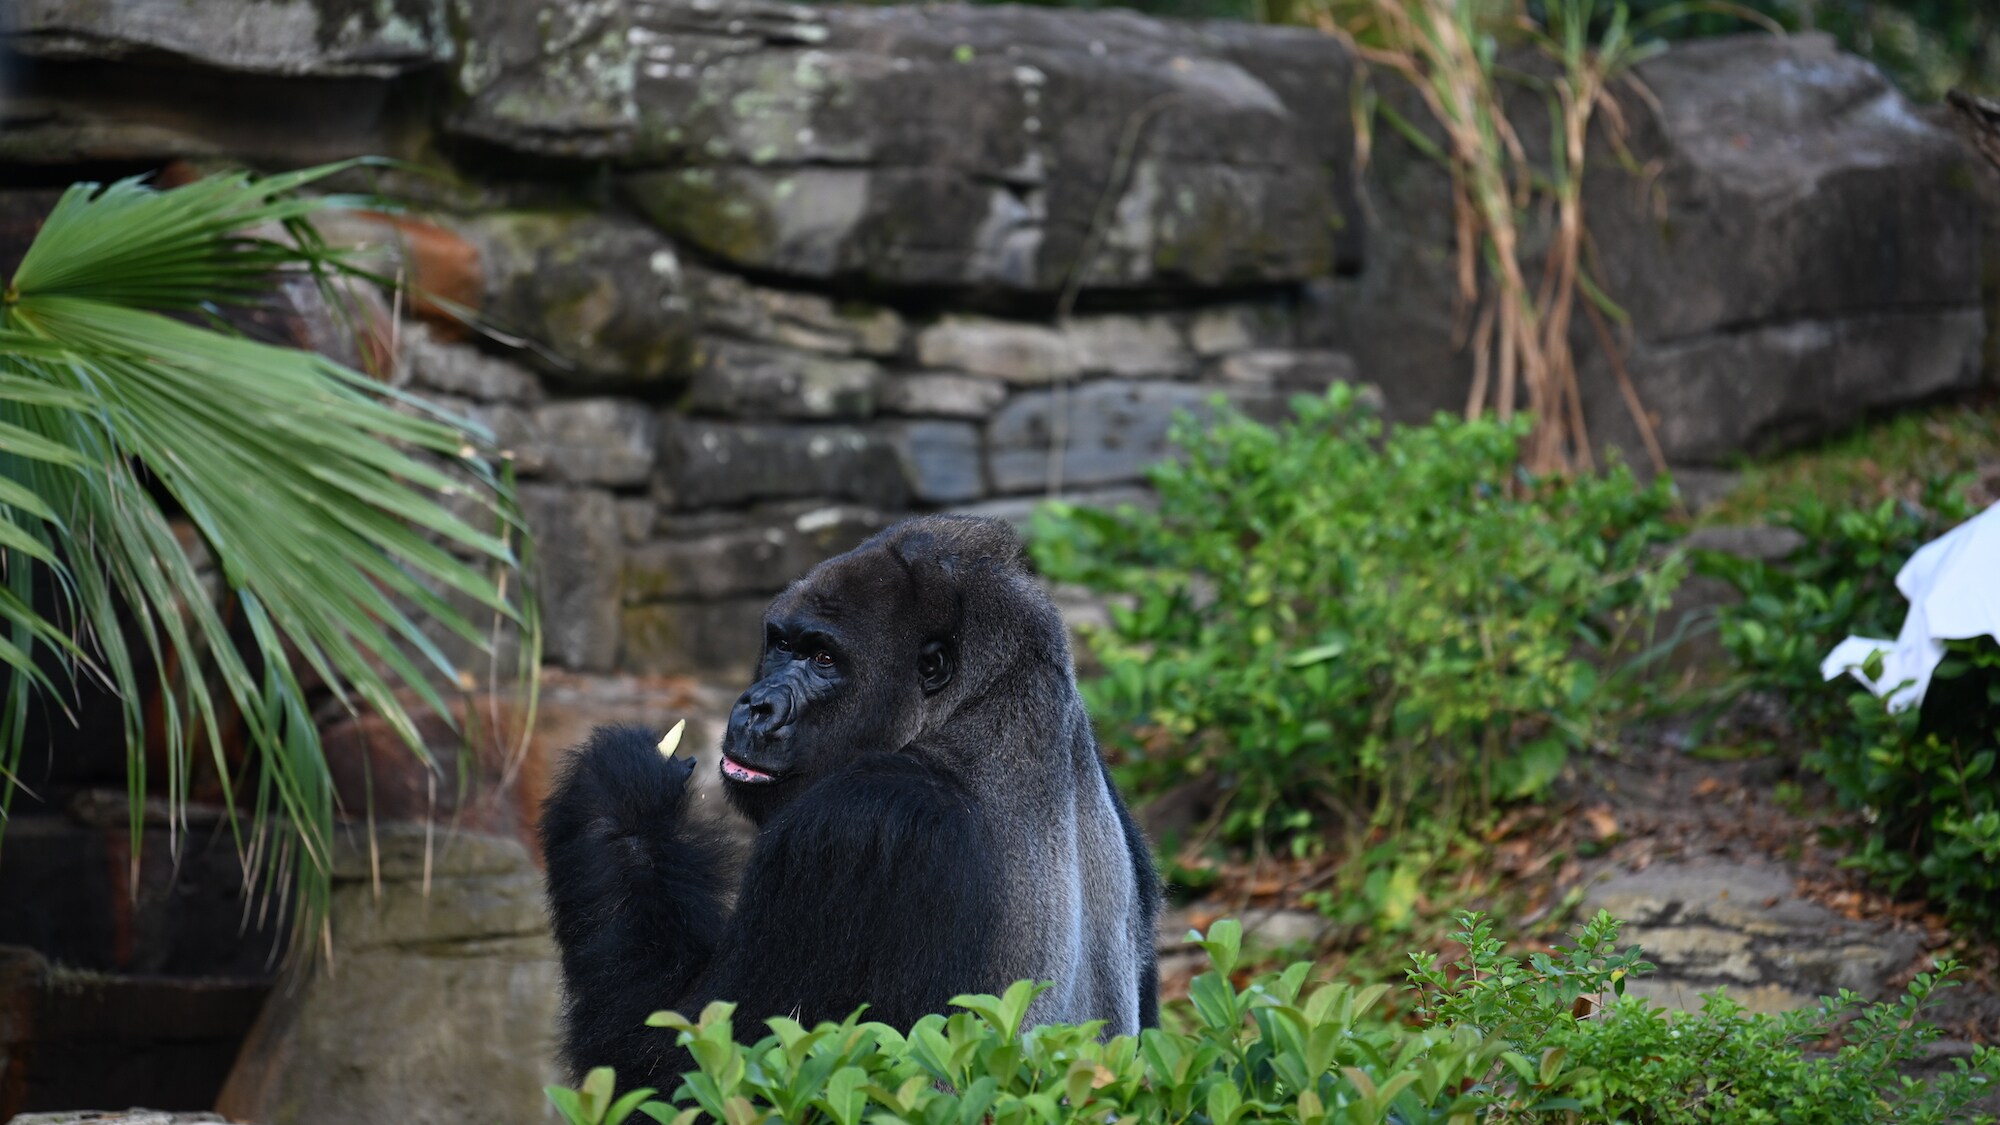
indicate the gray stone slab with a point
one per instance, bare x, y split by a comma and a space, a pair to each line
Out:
763, 381
605, 441
942, 394
944, 462
1109, 432
580, 548
706, 463
1708, 925
759, 557
301, 38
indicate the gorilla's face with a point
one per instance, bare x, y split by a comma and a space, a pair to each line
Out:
851, 654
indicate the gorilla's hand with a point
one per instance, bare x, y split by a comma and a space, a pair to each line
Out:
618, 800
635, 897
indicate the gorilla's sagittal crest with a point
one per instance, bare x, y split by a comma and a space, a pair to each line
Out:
932, 818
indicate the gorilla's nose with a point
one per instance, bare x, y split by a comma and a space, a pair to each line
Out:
762, 710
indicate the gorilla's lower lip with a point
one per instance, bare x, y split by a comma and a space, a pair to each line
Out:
749, 775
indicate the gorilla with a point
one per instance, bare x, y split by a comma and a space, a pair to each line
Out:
932, 815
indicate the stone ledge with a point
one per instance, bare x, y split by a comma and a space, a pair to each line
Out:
1742, 925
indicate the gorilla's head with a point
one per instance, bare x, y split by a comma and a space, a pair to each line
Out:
877, 648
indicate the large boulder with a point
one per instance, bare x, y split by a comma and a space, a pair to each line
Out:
150, 109
1849, 227
976, 146
1802, 248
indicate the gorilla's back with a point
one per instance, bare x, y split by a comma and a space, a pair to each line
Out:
1118, 920
1081, 897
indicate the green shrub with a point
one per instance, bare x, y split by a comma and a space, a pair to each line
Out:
1549, 1041
1358, 626
1632, 1062
1925, 779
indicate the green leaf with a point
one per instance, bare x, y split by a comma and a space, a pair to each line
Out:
845, 1096
596, 1092
1223, 943
1535, 767
1317, 654
623, 1107
570, 1104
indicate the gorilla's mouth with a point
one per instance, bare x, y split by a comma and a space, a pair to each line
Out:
748, 775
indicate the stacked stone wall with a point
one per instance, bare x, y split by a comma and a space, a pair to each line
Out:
760, 278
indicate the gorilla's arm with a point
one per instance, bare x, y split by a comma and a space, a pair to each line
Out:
874, 886
634, 897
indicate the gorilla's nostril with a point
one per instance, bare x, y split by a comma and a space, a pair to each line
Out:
762, 711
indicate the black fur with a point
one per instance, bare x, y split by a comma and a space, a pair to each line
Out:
915, 757
636, 904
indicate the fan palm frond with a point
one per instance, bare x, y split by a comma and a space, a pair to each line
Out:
333, 506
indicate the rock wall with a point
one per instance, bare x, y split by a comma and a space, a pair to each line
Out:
764, 277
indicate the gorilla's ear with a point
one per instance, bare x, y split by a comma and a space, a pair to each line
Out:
934, 666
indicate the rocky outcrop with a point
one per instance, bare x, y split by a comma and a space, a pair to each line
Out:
804, 425
1849, 227
762, 277
1801, 249
1015, 148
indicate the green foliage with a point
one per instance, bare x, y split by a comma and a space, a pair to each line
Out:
1724, 1064
1373, 627
1579, 1042
1925, 778
1551, 1040
319, 493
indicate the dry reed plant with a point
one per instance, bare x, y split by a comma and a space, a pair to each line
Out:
1520, 331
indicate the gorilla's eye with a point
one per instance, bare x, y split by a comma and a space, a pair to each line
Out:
822, 659
934, 666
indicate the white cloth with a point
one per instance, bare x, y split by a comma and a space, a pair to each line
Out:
1953, 587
